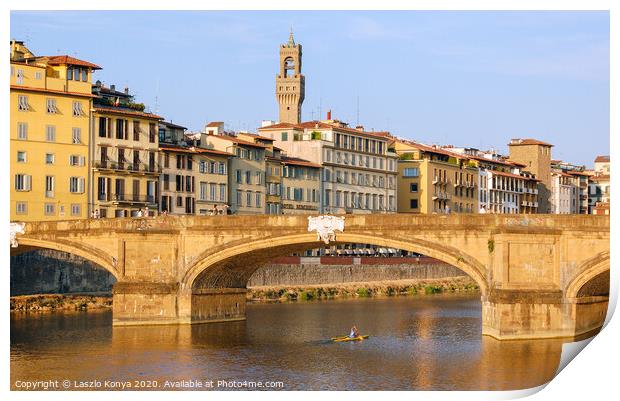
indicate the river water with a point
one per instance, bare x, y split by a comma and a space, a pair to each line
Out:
417, 343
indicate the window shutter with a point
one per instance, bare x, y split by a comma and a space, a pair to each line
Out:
81, 184
27, 181
82, 161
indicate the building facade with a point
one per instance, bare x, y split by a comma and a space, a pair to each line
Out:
599, 186
434, 180
193, 180
50, 103
301, 186
564, 193
125, 168
246, 177
535, 155
358, 170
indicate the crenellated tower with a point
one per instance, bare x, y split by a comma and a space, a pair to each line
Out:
290, 83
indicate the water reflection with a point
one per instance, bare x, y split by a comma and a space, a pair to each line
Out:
423, 343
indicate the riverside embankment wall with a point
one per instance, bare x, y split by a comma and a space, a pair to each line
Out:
48, 271
53, 272
335, 270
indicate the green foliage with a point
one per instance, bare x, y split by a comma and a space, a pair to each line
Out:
314, 135
405, 156
307, 295
363, 292
432, 289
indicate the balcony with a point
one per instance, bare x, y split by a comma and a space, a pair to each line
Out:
128, 198
130, 167
441, 195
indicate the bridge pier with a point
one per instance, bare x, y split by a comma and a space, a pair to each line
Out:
144, 303
539, 314
137, 303
212, 305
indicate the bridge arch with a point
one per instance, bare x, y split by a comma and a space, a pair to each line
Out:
91, 254
587, 271
227, 265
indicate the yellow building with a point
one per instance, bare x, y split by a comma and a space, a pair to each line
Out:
433, 180
125, 171
50, 101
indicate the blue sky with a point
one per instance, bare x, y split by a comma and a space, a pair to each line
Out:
448, 77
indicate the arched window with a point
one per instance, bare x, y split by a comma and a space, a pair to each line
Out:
289, 67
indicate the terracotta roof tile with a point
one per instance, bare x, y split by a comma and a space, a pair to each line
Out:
321, 125
65, 59
601, 159
511, 175
194, 150
136, 113
238, 141
299, 162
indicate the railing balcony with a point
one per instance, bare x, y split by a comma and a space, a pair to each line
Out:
129, 198
128, 166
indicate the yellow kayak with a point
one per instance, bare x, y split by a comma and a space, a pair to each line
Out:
347, 338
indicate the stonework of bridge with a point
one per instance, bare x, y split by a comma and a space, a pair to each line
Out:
540, 276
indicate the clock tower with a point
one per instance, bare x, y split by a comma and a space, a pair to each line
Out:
290, 83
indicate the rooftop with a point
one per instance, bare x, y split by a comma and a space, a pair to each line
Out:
324, 125
299, 162
527, 141
172, 125
65, 59
238, 141
124, 111
601, 159
191, 149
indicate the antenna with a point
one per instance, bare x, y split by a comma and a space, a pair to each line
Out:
320, 104
358, 110
157, 97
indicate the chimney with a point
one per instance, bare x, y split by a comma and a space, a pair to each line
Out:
112, 87
126, 90
329, 114
360, 128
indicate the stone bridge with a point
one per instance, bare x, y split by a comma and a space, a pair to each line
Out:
540, 276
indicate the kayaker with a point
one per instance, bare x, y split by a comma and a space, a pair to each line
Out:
354, 332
